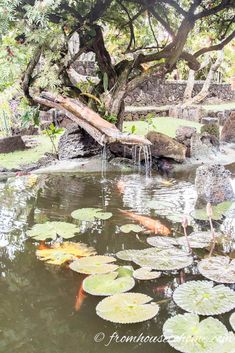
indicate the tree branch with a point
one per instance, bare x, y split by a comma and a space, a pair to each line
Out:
212, 11
215, 47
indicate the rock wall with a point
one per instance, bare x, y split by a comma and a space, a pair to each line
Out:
155, 92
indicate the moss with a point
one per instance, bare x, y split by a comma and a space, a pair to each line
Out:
212, 129
31, 155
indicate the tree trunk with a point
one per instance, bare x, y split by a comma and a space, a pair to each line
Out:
190, 85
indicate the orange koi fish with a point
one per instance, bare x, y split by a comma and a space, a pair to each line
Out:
80, 297
121, 186
151, 224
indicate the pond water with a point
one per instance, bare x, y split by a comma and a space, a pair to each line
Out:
38, 301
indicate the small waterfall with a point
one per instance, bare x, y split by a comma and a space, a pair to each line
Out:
137, 152
104, 163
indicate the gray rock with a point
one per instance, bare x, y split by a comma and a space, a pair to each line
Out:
11, 144
184, 133
75, 143
213, 185
165, 146
228, 131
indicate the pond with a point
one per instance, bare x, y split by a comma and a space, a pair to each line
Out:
42, 309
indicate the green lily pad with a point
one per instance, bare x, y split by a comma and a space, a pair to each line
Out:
90, 214
232, 321
218, 268
225, 344
94, 265
198, 239
125, 271
126, 255
162, 242
201, 297
50, 230
146, 273
107, 284
218, 211
127, 308
127, 228
187, 334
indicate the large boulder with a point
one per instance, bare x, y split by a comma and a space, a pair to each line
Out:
76, 143
11, 144
165, 146
228, 131
213, 185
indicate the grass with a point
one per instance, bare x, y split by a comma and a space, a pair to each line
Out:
164, 125
31, 155
219, 107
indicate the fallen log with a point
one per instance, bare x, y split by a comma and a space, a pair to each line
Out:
101, 130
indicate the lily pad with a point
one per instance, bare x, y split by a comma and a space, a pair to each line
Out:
127, 308
225, 344
218, 211
187, 334
157, 258
59, 253
162, 241
201, 297
90, 214
107, 284
50, 230
93, 265
232, 321
197, 239
146, 273
127, 228
218, 268
125, 271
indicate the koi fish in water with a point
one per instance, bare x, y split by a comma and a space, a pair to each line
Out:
80, 297
121, 186
151, 224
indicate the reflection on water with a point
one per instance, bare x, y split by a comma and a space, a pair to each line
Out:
38, 301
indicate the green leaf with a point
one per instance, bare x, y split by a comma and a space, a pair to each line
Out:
218, 211
127, 308
200, 297
90, 214
187, 334
50, 230
146, 273
107, 284
94, 264
218, 268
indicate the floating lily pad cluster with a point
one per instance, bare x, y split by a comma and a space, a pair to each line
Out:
50, 230
90, 214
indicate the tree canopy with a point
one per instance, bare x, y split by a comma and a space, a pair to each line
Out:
131, 40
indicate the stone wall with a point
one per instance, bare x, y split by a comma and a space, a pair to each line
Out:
155, 92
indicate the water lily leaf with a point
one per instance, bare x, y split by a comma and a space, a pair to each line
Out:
127, 228
226, 344
200, 297
187, 334
232, 321
146, 273
218, 211
198, 239
107, 284
218, 268
59, 253
162, 242
94, 264
50, 230
157, 258
125, 271
90, 214
127, 308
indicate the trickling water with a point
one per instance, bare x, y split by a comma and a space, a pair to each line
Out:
104, 162
137, 152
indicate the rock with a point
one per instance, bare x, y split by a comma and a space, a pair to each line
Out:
165, 146
213, 185
212, 129
183, 135
228, 131
75, 143
210, 120
11, 144
203, 146
122, 151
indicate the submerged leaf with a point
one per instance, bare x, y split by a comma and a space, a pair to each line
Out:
90, 214
50, 230
146, 273
107, 284
218, 211
232, 321
127, 228
95, 264
200, 297
127, 308
187, 334
59, 253
218, 268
